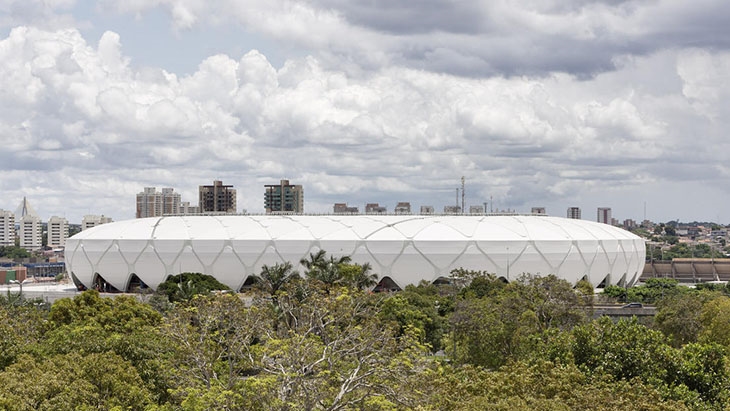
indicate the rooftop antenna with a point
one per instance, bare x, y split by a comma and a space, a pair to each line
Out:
462, 195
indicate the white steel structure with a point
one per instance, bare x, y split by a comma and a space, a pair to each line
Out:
407, 249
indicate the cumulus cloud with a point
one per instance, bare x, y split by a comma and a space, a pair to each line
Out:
388, 110
466, 38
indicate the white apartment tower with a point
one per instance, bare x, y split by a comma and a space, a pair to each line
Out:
7, 228
31, 232
153, 203
90, 221
57, 232
604, 215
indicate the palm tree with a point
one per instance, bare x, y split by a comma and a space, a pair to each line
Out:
272, 279
362, 278
315, 261
328, 271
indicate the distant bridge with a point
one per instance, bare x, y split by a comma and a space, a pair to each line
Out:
688, 270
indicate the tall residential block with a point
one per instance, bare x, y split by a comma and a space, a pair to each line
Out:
574, 212
57, 231
604, 215
283, 198
427, 209
31, 232
7, 228
91, 220
153, 203
538, 210
217, 198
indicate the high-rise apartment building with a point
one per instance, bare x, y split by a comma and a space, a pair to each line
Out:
7, 228
90, 221
284, 198
538, 210
57, 231
476, 209
604, 215
574, 212
217, 198
152, 203
31, 232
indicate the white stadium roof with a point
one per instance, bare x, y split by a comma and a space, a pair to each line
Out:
406, 248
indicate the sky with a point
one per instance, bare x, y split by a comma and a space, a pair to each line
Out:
537, 103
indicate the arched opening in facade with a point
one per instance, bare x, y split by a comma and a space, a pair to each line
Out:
250, 282
386, 284
606, 281
79, 285
443, 281
101, 285
136, 285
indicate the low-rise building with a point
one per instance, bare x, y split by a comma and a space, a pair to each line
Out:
403, 208
374, 208
343, 208
476, 209
91, 220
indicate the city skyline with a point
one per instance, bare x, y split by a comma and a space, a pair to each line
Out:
549, 104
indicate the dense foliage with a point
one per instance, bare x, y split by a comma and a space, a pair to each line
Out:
184, 286
13, 252
318, 342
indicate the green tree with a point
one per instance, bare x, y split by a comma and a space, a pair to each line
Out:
623, 350
415, 310
73, 381
678, 316
272, 279
215, 341
337, 354
715, 320
14, 252
359, 276
327, 271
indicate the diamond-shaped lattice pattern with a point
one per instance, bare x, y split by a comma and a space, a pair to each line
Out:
407, 249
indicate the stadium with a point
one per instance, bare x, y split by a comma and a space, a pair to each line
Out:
403, 249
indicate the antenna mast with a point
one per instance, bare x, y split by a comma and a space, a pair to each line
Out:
462, 195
